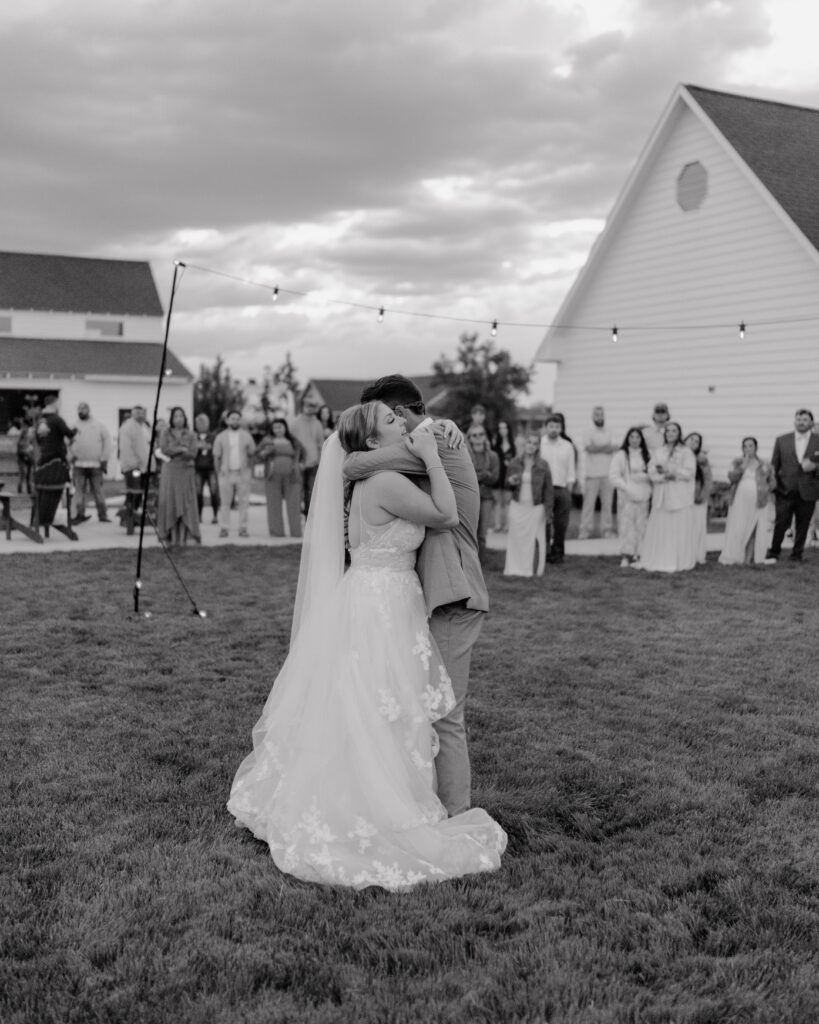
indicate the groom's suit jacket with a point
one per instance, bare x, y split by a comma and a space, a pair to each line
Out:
790, 477
447, 564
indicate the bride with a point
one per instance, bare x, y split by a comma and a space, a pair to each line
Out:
340, 783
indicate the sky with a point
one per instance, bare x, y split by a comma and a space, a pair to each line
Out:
451, 161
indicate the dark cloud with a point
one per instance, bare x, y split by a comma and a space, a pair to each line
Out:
134, 124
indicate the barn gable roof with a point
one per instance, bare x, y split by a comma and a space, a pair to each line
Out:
77, 284
775, 144
779, 143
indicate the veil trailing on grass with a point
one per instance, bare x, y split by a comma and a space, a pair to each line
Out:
322, 553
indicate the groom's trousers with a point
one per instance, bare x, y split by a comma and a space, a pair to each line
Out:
455, 629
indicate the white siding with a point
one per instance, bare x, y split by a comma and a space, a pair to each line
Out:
43, 324
733, 259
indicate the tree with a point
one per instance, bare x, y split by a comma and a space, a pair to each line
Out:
286, 376
481, 373
216, 392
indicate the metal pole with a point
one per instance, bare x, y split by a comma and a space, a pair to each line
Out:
138, 582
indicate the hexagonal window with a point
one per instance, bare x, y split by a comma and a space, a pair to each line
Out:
692, 186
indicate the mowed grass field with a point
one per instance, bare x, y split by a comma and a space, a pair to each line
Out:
650, 744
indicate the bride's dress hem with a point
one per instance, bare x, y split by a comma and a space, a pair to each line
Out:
340, 781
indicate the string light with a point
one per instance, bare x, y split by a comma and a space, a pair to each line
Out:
595, 328
742, 330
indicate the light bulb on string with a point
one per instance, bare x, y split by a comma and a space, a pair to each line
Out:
494, 331
381, 315
742, 330
275, 294
614, 334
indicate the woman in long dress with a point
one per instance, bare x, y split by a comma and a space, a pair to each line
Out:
703, 484
668, 545
283, 457
177, 513
530, 479
748, 527
629, 474
503, 445
340, 783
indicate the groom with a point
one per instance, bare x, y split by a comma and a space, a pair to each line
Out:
450, 573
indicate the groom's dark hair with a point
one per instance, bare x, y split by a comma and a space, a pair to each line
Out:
395, 390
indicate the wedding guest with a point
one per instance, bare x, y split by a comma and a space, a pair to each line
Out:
25, 453
89, 453
134, 442
668, 545
177, 512
530, 481
325, 418
629, 474
477, 417
233, 451
51, 473
703, 485
654, 432
282, 456
795, 461
559, 452
504, 446
747, 528
307, 430
204, 467
487, 469
598, 447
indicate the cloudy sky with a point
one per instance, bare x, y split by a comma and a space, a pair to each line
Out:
448, 158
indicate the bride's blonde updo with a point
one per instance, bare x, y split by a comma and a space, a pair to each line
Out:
357, 425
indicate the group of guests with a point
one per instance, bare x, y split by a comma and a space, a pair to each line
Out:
51, 455
189, 462
663, 481
193, 461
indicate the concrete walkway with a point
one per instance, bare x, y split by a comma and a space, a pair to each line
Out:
95, 536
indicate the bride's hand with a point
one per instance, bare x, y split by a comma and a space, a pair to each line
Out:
450, 432
423, 443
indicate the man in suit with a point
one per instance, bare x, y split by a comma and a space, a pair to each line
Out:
450, 572
795, 461
233, 451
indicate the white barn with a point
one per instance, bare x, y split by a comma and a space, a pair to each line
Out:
717, 226
90, 330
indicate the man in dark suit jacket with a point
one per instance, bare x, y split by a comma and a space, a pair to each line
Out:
450, 572
795, 461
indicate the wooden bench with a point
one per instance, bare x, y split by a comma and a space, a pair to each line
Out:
32, 531
9, 523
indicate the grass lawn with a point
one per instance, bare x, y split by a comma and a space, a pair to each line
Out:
649, 743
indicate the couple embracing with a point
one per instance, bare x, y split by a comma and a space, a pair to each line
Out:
359, 773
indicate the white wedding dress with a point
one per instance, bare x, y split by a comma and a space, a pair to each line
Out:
340, 783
